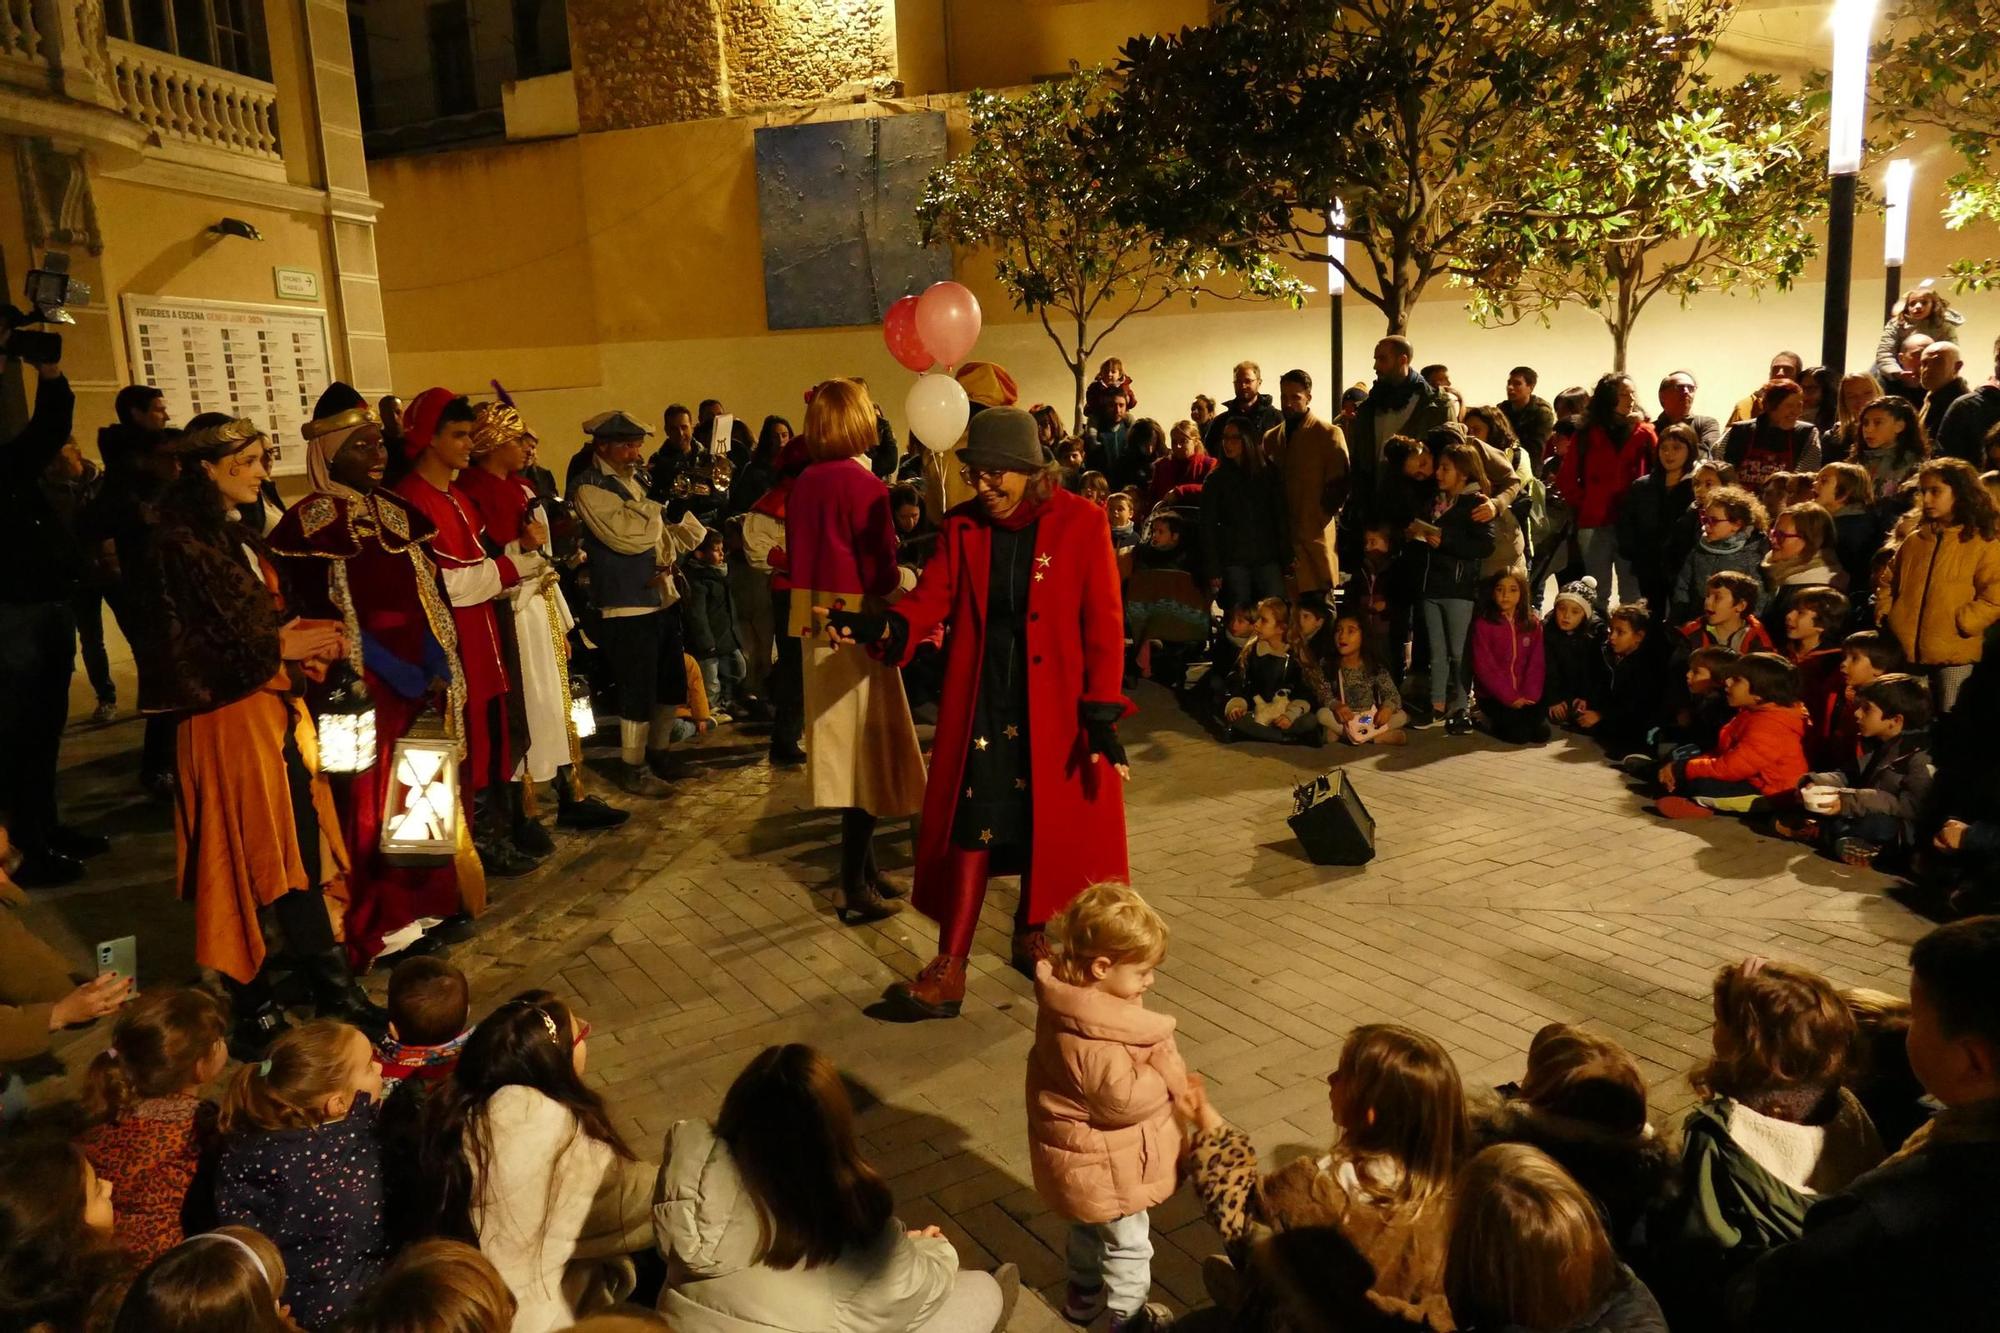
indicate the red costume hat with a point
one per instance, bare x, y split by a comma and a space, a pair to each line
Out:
420, 420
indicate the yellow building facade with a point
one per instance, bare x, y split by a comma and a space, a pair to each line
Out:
133, 129
610, 255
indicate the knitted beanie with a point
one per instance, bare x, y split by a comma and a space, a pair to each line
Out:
1583, 592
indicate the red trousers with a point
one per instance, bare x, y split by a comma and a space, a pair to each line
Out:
965, 888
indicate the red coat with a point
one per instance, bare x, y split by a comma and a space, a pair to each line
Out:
1076, 655
1595, 474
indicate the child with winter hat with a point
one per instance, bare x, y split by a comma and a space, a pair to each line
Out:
1572, 652
1103, 1078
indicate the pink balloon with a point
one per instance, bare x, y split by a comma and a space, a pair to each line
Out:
899, 331
948, 321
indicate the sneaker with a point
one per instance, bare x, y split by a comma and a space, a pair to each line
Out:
1148, 1318
105, 712
1458, 724
1680, 807
720, 718
1796, 828
1856, 851
1640, 766
1082, 1304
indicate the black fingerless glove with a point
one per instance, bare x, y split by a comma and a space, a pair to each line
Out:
1102, 739
865, 627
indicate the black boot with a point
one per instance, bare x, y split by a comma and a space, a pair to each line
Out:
527, 831
588, 813
257, 1021
497, 852
336, 994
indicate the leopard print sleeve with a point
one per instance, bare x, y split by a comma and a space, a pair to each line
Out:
1225, 1179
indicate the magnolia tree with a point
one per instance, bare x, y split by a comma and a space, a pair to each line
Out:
1018, 192
1941, 68
1467, 152
1704, 188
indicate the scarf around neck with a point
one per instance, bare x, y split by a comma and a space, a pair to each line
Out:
1395, 394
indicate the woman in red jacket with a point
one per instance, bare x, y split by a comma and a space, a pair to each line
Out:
1027, 773
1609, 453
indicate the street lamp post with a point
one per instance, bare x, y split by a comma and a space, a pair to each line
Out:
1852, 22
1336, 288
1895, 231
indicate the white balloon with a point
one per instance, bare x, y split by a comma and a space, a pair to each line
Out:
937, 409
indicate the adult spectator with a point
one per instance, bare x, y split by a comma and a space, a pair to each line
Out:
1921, 311
1912, 1244
739, 445
1245, 532
1821, 388
1186, 464
1311, 459
774, 1220
1775, 440
40, 570
675, 454
1613, 446
1438, 376
38, 996
1910, 387
1843, 443
1202, 411
1528, 415
1250, 407
1401, 402
1962, 433
71, 482
1939, 373
1108, 444
1351, 399
886, 459
1786, 366
1677, 409
390, 409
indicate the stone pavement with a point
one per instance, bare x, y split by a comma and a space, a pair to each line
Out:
1511, 888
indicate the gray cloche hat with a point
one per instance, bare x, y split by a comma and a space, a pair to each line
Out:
615, 426
1003, 439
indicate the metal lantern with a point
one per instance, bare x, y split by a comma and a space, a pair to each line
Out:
420, 809
582, 716
346, 718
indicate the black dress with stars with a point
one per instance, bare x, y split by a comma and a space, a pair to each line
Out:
995, 813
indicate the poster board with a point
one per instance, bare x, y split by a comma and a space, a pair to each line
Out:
267, 363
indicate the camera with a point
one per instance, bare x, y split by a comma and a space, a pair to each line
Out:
50, 289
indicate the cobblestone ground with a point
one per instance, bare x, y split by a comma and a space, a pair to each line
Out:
1512, 888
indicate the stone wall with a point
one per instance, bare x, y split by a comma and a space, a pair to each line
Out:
654, 62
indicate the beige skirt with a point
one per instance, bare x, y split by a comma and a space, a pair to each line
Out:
861, 746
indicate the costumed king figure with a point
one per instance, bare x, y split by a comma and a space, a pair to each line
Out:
1027, 773
354, 553
437, 439
535, 622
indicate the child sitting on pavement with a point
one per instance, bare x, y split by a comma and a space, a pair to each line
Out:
1629, 701
1361, 705
1572, 652
1760, 754
1269, 697
1872, 803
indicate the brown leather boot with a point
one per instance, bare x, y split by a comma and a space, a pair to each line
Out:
1031, 946
937, 992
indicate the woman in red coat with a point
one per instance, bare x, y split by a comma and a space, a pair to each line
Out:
1027, 773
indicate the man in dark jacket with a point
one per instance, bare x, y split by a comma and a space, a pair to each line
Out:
1530, 415
1250, 409
1401, 402
41, 566
1915, 1243
1938, 370
1962, 432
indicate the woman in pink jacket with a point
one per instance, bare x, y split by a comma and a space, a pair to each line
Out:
1102, 1081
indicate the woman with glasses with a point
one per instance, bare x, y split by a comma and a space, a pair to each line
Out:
861, 746
259, 839
1027, 773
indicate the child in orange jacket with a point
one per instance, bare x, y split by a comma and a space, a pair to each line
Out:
1761, 753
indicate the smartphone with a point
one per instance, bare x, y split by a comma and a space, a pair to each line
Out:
120, 955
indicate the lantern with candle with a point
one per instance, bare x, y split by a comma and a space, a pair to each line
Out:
420, 808
346, 719
582, 715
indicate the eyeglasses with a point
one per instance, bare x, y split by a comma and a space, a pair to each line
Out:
1708, 520
979, 476
1780, 535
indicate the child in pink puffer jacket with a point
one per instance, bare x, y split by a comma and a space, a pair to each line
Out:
1102, 1080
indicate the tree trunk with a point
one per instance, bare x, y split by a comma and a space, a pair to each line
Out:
1076, 370
1621, 334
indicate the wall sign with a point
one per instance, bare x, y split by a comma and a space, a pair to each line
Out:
267, 363
296, 284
